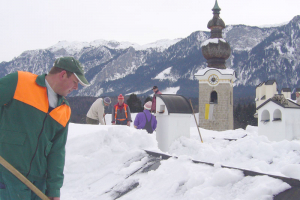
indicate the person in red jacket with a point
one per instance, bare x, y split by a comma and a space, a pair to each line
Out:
121, 113
156, 91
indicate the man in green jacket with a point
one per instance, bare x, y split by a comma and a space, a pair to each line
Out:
34, 119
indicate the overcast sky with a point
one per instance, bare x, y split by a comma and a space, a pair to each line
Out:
38, 24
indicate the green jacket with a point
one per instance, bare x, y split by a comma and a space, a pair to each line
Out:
32, 139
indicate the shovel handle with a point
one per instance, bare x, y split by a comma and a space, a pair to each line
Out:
22, 178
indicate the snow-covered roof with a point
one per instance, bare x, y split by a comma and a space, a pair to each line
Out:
212, 40
103, 162
202, 72
288, 104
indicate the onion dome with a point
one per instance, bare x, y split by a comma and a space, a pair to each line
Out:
216, 50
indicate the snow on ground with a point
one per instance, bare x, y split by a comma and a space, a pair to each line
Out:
100, 160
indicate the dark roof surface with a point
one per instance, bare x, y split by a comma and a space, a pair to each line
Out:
270, 82
286, 89
176, 103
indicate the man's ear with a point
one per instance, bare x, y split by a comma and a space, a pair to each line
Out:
62, 74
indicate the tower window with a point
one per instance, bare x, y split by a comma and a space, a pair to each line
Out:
213, 97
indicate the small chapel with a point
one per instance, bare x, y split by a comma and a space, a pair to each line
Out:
216, 81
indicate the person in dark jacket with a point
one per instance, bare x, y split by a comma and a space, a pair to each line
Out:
34, 121
145, 120
121, 113
156, 91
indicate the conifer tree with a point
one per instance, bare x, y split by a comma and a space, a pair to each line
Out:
134, 103
147, 99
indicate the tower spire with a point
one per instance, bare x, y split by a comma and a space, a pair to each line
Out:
216, 50
216, 8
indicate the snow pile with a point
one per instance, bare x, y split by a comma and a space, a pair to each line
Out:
103, 161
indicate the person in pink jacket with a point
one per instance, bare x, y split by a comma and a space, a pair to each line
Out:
156, 91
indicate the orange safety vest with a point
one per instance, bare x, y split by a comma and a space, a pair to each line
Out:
116, 110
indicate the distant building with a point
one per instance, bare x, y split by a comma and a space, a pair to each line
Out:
286, 92
279, 119
264, 91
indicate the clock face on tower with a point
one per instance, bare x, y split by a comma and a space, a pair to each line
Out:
213, 79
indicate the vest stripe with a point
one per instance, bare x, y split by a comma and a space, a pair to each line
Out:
29, 92
61, 114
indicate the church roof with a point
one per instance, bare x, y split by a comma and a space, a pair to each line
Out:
270, 82
216, 8
281, 101
202, 72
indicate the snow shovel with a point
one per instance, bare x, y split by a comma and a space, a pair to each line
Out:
22, 178
196, 121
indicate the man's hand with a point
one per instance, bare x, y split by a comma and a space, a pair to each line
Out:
54, 198
114, 123
128, 123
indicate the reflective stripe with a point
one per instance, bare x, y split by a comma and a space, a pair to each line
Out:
125, 110
121, 120
61, 114
29, 92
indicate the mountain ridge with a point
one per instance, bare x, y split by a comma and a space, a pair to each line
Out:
258, 54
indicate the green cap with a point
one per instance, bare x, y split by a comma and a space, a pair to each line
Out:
72, 65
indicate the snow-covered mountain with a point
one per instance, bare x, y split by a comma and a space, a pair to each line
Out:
258, 54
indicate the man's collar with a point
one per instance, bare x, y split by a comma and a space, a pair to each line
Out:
40, 80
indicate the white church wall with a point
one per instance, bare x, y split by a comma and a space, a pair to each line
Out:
292, 123
274, 130
277, 130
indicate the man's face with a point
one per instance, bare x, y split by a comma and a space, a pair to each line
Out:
121, 101
297, 94
68, 84
106, 104
154, 90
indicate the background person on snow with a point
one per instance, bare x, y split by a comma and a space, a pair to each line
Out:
96, 111
34, 121
121, 113
145, 120
298, 98
156, 91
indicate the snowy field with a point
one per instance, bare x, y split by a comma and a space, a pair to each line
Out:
100, 160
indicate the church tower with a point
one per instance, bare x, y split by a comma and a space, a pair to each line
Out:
216, 81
